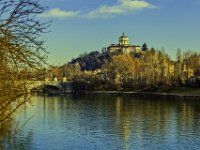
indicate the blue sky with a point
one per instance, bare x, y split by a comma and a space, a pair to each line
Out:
87, 25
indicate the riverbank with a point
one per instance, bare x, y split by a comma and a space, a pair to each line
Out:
182, 92
157, 94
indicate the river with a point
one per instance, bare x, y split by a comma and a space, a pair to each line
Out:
105, 123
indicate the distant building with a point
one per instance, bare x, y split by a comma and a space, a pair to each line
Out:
123, 47
64, 79
55, 79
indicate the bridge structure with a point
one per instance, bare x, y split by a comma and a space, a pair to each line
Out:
59, 85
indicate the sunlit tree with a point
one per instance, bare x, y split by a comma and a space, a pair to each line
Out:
21, 52
120, 69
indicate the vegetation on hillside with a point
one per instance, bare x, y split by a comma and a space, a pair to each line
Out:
92, 61
149, 71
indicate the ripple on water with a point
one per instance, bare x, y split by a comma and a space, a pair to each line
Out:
108, 122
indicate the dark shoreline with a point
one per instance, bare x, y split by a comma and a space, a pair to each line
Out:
156, 94
121, 93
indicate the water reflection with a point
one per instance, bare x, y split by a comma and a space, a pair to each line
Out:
18, 141
108, 122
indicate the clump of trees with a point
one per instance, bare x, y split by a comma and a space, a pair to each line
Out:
121, 70
148, 70
92, 61
188, 64
153, 70
69, 71
21, 53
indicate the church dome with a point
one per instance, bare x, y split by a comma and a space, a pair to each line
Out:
123, 40
123, 36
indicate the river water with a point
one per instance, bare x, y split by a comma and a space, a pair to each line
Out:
105, 123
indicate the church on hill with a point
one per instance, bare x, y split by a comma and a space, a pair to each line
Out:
123, 47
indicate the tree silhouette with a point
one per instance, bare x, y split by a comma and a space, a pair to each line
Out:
144, 47
21, 52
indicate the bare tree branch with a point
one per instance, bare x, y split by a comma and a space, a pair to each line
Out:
21, 52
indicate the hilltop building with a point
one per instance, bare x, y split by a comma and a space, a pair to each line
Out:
124, 47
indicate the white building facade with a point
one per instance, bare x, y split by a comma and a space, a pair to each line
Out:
124, 47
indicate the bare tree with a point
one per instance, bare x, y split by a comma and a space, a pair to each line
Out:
21, 52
